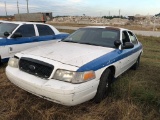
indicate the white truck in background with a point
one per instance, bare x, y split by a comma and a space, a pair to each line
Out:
33, 17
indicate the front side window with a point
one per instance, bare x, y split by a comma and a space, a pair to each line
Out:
44, 30
26, 30
132, 38
7, 27
125, 37
95, 36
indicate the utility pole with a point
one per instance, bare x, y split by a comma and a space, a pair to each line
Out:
17, 7
154, 24
119, 15
5, 8
27, 7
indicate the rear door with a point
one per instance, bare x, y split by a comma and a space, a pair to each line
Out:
46, 34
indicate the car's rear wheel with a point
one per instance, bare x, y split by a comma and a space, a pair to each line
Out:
136, 65
104, 86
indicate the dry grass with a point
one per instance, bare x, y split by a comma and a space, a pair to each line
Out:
135, 96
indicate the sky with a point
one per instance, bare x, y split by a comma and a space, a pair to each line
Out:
81, 7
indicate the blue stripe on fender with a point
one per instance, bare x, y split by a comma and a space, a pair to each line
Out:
108, 59
31, 39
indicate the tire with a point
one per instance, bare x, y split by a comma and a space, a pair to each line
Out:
104, 86
136, 65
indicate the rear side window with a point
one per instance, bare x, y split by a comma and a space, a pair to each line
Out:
26, 30
44, 30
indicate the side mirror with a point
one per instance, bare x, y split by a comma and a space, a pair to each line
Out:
6, 34
16, 35
117, 43
128, 45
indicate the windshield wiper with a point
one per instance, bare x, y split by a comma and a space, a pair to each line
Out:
87, 43
69, 41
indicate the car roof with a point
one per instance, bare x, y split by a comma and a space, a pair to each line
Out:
111, 27
3, 21
19, 22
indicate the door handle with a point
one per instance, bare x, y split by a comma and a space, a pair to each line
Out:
10, 49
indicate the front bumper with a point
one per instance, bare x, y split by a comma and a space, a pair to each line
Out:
53, 90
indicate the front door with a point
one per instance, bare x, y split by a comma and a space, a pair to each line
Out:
28, 39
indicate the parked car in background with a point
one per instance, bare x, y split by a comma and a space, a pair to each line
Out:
18, 36
78, 68
2, 21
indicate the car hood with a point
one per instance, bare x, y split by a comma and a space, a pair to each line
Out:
69, 53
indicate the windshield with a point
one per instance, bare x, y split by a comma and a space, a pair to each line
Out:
7, 27
95, 36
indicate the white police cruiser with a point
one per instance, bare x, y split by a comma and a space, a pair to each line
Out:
18, 36
78, 68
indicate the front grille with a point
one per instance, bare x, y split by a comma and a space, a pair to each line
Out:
35, 67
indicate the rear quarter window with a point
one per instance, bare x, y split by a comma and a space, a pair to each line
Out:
44, 30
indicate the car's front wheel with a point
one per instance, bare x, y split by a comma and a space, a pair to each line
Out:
104, 86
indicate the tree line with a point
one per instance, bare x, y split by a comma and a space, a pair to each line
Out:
111, 17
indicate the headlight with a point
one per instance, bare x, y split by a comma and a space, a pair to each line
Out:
74, 77
13, 62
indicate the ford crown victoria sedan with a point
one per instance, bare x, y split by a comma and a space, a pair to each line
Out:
78, 68
18, 36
